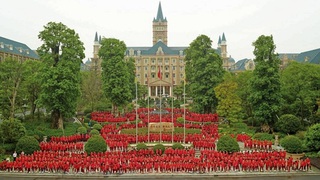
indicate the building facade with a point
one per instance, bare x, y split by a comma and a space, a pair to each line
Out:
159, 67
15, 50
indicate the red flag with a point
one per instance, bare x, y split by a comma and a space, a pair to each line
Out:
159, 73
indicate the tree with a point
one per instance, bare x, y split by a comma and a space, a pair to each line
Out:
32, 83
265, 84
178, 90
244, 90
62, 53
115, 73
300, 89
11, 76
313, 137
203, 72
11, 130
229, 104
91, 88
288, 124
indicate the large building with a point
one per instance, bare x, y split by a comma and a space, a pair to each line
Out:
312, 56
15, 50
160, 57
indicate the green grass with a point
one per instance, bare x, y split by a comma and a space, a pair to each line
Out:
144, 131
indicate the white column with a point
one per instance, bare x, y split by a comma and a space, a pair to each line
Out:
157, 91
163, 90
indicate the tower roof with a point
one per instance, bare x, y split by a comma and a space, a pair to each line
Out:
96, 37
219, 41
160, 14
223, 37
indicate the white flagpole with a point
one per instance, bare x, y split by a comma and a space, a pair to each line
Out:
184, 108
160, 104
136, 111
172, 109
148, 111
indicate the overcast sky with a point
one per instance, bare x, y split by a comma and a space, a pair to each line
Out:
294, 24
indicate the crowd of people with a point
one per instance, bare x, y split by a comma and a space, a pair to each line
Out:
149, 161
66, 154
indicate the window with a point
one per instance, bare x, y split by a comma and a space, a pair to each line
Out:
181, 68
131, 52
146, 61
146, 68
1, 45
146, 75
139, 53
167, 68
153, 68
173, 61
167, 75
153, 75
173, 75
173, 68
153, 60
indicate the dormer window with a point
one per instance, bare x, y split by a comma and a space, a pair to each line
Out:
131, 52
1, 45
10, 47
138, 53
27, 51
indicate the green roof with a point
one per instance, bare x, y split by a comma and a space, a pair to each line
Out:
14, 47
153, 50
160, 15
312, 56
223, 37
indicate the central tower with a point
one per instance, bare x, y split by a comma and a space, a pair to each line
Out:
159, 27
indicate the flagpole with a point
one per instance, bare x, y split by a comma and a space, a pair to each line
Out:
148, 109
160, 104
184, 108
136, 111
172, 108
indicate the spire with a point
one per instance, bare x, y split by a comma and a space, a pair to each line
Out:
100, 39
96, 37
160, 14
223, 38
219, 41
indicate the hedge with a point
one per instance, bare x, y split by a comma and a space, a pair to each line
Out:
227, 143
159, 146
82, 130
292, 144
95, 143
177, 146
141, 146
27, 144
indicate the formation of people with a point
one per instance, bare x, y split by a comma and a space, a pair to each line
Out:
150, 161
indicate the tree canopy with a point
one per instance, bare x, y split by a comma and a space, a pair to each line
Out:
265, 84
203, 72
62, 52
115, 73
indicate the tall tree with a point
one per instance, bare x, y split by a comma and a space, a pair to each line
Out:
91, 89
265, 85
203, 72
229, 104
244, 90
32, 84
300, 89
11, 76
115, 73
62, 52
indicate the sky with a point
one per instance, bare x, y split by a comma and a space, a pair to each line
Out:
294, 24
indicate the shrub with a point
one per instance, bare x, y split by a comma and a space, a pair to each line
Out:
82, 130
177, 146
28, 144
159, 146
94, 132
263, 136
95, 143
227, 143
11, 130
141, 146
97, 126
301, 135
292, 144
288, 124
313, 137
180, 120
9, 147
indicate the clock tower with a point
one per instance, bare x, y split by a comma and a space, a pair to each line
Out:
159, 27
